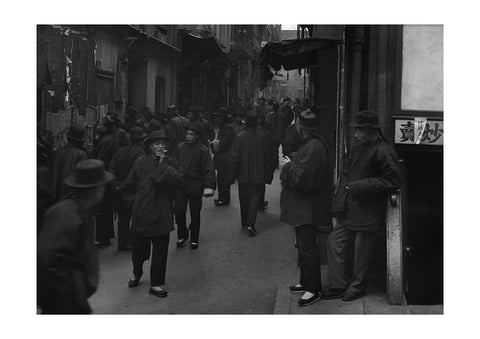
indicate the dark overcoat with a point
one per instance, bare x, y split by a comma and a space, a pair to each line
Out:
152, 184
221, 155
371, 172
67, 261
306, 197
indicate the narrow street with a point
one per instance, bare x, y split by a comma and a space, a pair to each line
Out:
230, 272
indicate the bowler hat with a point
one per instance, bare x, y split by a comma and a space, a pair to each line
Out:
88, 173
156, 135
77, 132
194, 126
136, 133
366, 119
307, 119
222, 111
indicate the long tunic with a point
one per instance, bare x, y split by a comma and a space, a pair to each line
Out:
306, 197
251, 157
64, 160
152, 185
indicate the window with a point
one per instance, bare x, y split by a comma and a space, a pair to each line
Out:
159, 93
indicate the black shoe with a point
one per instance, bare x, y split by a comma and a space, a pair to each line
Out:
351, 295
103, 244
252, 231
193, 245
182, 242
134, 282
160, 294
221, 203
297, 289
333, 293
305, 302
263, 206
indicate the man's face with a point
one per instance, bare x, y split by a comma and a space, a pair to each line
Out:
158, 146
360, 134
190, 136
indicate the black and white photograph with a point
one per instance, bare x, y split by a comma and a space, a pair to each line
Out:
200, 174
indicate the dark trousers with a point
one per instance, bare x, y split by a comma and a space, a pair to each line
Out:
261, 202
195, 205
249, 196
341, 243
104, 219
124, 215
309, 257
141, 252
223, 183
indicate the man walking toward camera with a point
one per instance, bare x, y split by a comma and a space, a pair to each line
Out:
371, 172
152, 182
197, 180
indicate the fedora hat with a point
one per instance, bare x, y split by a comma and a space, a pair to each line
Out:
156, 135
220, 112
194, 126
77, 132
307, 119
88, 173
136, 133
366, 119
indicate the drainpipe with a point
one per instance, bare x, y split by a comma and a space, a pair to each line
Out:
357, 40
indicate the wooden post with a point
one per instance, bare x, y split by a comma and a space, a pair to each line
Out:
394, 249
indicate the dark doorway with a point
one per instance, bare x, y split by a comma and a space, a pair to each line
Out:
423, 227
159, 94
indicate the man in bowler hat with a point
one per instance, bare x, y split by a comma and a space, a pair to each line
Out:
306, 202
253, 168
371, 172
197, 176
151, 183
120, 166
221, 147
67, 261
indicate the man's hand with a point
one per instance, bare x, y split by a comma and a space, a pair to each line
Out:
334, 222
285, 160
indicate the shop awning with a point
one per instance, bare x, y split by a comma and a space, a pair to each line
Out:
293, 54
195, 45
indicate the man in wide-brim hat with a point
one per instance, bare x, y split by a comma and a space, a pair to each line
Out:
66, 157
120, 166
67, 261
371, 172
150, 184
197, 181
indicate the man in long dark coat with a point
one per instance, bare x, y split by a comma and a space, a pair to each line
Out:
151, 183
120, 166
66, 157
177, 122
305, 203
112, 140
372, 171
252, 167
197, 180
222, 161
67, 261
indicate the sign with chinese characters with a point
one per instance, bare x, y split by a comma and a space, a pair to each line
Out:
419, 131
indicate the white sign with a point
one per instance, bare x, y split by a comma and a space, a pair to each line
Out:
419, 131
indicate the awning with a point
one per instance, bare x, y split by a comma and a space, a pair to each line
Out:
194, 46
293, 54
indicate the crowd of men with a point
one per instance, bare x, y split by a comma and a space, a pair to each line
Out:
147, 169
